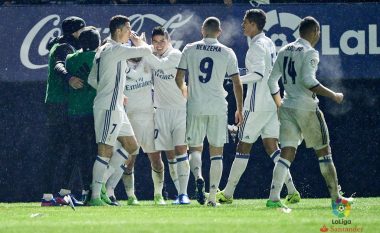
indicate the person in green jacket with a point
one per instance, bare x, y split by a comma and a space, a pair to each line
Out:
80, 103
58, 82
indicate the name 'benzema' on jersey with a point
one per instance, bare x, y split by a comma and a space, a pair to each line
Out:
207, 62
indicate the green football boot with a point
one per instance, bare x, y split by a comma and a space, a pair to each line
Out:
159, 199
293, 198
133, 201
222, 199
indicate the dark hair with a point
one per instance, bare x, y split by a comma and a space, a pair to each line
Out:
211, 24
257, 16
89, 38
307, 25
117, 21
161, 31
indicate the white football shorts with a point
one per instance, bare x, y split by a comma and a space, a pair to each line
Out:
143, 126
297, 125
170, 128
255, 124
214, 127
109, 125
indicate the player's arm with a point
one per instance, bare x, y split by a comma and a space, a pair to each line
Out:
238, 91
274, 76
93, 76
163, 63
308, 77
255, 65
233, 72
179, 79
60, 66
123, 52
181, 71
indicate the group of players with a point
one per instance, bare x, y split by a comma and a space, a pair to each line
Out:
176, 119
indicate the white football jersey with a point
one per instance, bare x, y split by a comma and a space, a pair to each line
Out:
259, 62
166, 93
108, 73
297, 64
207, 62
138, 88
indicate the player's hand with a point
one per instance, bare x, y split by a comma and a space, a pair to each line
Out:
137, 40
338, 97
125, 101
76, 82
238, 118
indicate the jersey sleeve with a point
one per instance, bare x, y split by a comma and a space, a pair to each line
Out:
60, 58
183, 61
309, 69
93, 76
274, 76
232, 66
255, 64
168, 62
122, 52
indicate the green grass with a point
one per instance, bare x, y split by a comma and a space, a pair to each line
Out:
242, 216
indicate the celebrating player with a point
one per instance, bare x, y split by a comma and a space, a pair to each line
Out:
260, 112
208, 61
108, 76
299, 114
170, 118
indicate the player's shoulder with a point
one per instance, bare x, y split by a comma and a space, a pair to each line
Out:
174, 52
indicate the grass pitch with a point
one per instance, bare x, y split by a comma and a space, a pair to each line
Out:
242, 216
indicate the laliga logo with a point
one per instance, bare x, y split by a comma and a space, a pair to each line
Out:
137, 22
284, 27
288, 24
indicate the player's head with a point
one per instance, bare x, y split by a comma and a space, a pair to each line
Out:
73, 25
253, 22
120, 28
89, 38
211, 27
310, 30
160, 40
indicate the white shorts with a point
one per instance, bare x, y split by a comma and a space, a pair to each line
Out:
109, 125
297, 125
170, 128
143, 126
255, 124
212, 126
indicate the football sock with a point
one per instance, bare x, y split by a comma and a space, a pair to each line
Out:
279, 174
173, 173
158, 181
237, 169
216, 170
114, 180
275, 156
183, 167
98, 170
195, 162
129, 183
328, 171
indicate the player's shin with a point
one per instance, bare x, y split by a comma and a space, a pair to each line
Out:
279, 174
216, 170
237, 169
328, 171
183, 168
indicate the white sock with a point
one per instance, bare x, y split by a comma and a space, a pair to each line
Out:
238, 167
279, 174
326, 165
173, 173
216, 170
47, 196
100, 167
195, 162
64, 192
158, 181
183, 167
129, 183
275, 156
114, 180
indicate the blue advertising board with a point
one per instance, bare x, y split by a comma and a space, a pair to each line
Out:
349, 45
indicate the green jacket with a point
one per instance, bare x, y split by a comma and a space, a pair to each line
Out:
80, 101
